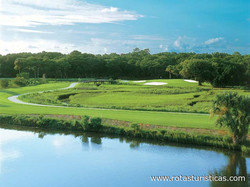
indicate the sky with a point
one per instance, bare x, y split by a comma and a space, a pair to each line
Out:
119, 26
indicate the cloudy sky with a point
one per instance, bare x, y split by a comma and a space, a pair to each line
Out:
106, 26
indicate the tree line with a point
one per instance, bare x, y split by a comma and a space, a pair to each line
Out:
220, 69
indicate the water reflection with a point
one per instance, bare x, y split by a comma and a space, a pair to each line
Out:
5, 138
7, 155
236, 167
94, 143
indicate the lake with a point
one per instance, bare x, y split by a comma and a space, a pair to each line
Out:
50, 159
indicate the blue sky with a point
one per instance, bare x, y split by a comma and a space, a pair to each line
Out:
106, 26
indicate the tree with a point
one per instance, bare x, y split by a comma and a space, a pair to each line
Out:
227, 73
19, 64
198, 69
136, 64
233, 112
170, 70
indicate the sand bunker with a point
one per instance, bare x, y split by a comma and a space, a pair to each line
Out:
139, 81
155, 83
193, 81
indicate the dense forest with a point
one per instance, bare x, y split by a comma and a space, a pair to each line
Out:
220, 69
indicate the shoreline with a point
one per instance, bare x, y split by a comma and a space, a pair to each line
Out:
139, 132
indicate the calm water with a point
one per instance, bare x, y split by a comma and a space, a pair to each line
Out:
51, 159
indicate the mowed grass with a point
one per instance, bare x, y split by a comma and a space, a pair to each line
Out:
176, 96
147, 117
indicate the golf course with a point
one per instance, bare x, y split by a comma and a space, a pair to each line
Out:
124, 93
175, 119
191, 98
165, 105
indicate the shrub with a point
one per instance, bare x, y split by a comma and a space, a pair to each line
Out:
163, 132
85, 122
245, 150
96, 123
4, 83
91, 124
135, 126
24, 75
20, 81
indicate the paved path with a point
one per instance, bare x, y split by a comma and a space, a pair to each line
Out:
16, 100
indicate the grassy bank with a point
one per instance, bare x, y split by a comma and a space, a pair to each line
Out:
86, 124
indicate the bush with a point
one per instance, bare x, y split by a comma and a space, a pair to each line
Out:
135, 126
24, 75
96, 123
20, 81
32, 82
245, 150
91, 124
4, 83
85, 122
112, 81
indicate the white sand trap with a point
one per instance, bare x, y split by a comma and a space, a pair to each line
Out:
155, 83
193, 81
140, 81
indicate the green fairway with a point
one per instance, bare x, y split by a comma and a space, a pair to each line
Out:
175, 96
146, 117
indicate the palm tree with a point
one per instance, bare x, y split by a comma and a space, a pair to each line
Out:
170, 70
233, 112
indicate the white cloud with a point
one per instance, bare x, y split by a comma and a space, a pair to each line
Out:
111, 9
101, 41
166, 48
183, 43
93, 45
31, 31
213, 40
177, 43
146, 37
34, 46
59, 12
